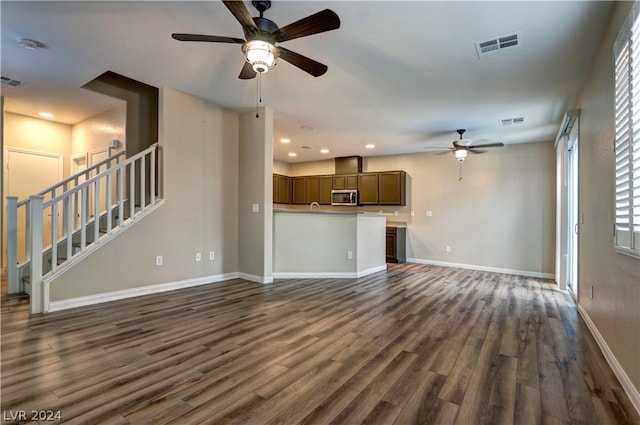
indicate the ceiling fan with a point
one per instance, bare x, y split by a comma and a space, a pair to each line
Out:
261, 49
463, 147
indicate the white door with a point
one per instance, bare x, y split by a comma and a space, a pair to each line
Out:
27, 173
572, 212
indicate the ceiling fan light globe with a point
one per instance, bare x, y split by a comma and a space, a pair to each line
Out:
262, 55
460, 154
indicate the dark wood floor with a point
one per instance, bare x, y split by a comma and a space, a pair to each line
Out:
417, 344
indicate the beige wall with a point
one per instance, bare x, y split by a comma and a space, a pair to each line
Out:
199, 143
499, 216
615, 278
96, 132
37, 134
256, 188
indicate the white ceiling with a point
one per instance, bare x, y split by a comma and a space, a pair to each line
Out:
402, 75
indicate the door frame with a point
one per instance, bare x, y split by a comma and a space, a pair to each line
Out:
567, 209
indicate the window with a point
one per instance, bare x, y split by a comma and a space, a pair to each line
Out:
627, 136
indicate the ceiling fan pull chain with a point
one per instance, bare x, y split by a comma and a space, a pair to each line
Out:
258, 94
460, 171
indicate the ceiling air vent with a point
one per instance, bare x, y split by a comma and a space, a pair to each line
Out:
511, 121
499, 45
11, 81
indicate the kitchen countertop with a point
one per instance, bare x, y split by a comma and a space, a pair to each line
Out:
396, 224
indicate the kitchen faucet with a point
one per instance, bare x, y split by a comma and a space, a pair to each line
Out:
312, 204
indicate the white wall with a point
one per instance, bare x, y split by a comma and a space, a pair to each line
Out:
501, 215
199, 143
615, 278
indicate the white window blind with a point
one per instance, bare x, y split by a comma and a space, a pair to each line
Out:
627, 136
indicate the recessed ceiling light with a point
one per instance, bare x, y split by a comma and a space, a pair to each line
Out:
369, 146
284, 140
324, 150
45, 115
292, 154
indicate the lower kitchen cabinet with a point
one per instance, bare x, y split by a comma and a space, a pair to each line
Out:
396, 242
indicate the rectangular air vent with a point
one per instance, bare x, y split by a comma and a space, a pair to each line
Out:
499, 45
511, 121
10, 81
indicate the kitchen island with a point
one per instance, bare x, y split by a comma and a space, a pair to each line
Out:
327, 244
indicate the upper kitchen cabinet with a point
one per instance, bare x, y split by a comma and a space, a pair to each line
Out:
345, 181
281, 189
368, 189
311, 187
325, 185
298, 190
392, 187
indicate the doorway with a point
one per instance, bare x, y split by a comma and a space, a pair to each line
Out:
567, 204
27, 173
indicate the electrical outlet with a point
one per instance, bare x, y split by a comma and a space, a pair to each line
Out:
158, 260
429, 213
413, 213
349, 255
198, 256
212, 255
447, 248
395, 213
255, 208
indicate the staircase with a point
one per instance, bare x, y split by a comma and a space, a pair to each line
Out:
54, 229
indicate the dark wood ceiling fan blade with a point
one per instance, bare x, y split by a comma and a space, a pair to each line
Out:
476, 151
304, 63
325, 20
247, 72
206, 38
488, 145
240, 12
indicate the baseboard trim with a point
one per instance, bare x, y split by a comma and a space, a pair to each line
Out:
329, 275
482, 268
632, 392
136, 292
255, 278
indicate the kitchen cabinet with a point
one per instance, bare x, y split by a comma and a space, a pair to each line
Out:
345, 181
281, 189
392, 188
368, 189
325, 185
376, 188
298, 190
311, 187
396, 242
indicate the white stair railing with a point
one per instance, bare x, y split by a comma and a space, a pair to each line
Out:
18, 226
74, 232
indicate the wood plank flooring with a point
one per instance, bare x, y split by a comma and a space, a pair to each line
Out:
414, 345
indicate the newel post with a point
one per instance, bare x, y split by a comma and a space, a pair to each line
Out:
13, 282
36, 296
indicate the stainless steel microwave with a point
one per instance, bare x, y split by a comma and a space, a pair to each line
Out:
344, 197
